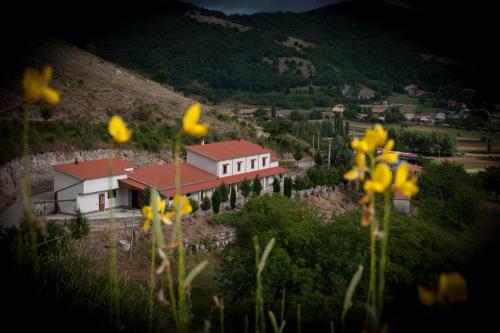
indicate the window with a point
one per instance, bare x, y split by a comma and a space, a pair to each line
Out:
111, 194
264, 161
252, 164
239, 165
224, 169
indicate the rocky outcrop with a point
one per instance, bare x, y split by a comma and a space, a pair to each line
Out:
41, 168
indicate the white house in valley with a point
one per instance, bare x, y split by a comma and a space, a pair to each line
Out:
98, 185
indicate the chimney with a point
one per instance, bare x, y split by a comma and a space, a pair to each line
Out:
202, 141
76, 160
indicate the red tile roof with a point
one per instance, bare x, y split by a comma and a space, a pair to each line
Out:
227, 150
163, 176
95, 168
227, 180
274, 158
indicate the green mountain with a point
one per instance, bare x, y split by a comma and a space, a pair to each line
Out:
287, 59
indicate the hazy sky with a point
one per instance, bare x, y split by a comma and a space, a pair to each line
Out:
252, 6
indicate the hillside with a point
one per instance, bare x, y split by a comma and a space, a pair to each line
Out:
92, 91
264, 59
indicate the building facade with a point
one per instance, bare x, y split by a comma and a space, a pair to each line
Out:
93, 186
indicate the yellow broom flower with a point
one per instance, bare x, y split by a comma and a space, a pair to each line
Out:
402, 182
375, 137
380, 179
119, 130
190, 122
387, 156
36, 86
182, 202
147, 212
358, 171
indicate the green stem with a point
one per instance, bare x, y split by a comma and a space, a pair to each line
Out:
26, 192
371, 287
257, 284
383, 251
179, 237
173, 302
151, 284
113, 267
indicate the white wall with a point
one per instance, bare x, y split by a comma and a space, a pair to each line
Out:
202, 162
88, 202
61, 181
101, 184
402, 206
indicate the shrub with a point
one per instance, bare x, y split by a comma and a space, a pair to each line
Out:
78, 226
224, 192
194, 204
47, 112
245, 188
230, 218
276, 185
216, 201
233, 197
256, 186
206, 203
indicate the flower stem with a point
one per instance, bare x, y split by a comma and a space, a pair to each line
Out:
113, 267
383, 252
26, 192
151, 283
181, 270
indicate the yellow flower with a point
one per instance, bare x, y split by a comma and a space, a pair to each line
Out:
358, 171
359, 145
375, 137
147, 212
119, 130
452, 288
183, 202
36, 86
380, 179
407, 186
190, 122
386, 155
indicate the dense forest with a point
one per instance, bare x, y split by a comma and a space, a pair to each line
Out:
340, 51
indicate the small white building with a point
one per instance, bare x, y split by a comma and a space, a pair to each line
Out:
94, 186
91, 186
338, 108
440, 116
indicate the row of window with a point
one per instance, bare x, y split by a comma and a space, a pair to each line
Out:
238, 165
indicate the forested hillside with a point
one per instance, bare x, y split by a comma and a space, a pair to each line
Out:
284, 59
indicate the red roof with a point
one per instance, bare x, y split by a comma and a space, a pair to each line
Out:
274, 158
227, 150
95, 168
227, 180
190, 187
400, 196
163, 176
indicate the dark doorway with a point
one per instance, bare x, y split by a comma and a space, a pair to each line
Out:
135, 198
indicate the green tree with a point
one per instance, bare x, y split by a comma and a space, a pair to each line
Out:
216, 201
256, 186
245, 188
301, 260
287, 187
232, 200
78, 226
224, 192
276, 185
206, 203
298, 153
194, 204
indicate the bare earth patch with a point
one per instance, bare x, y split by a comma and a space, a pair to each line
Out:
296, 43
215, 20
329, 203
137, 267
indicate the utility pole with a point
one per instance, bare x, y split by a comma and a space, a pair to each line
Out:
329, 149
313, 146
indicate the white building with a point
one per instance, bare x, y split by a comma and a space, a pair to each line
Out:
89, 186
85, 185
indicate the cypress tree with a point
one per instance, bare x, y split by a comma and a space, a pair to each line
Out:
232, 199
